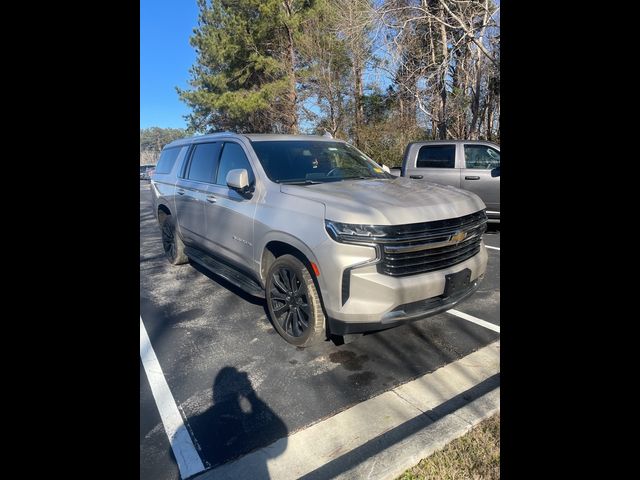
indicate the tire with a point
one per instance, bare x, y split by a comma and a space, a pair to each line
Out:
171, 241
295, 310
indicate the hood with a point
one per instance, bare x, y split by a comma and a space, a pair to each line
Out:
388, 202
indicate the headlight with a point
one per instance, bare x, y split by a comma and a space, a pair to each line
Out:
349, 232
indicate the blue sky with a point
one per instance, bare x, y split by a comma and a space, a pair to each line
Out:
165, 59
166, 56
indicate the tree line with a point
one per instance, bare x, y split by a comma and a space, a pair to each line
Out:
153, 140
376, 73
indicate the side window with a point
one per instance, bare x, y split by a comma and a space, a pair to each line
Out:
167, 160
481, 157
436, 156
233, 157
204, 162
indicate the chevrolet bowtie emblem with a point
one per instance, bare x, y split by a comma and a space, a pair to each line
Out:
458, 237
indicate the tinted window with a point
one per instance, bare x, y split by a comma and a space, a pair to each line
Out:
481, 157
167, 159
204, 162
308, 161
233, 157
437, 156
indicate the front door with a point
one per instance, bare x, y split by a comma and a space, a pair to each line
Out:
480, 160
229, 214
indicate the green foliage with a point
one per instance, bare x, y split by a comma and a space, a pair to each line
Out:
155, 138
379, 105
385, 141
386, 131
242, 78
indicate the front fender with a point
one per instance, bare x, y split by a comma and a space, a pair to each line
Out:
284, 237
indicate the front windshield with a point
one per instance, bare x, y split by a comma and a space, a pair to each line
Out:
308, 161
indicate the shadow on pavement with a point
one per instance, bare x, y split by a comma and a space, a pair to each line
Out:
237, 423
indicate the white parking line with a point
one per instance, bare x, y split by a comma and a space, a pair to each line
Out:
187, 457
472, 319
493, 248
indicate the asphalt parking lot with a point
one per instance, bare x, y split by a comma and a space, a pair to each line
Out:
213, 341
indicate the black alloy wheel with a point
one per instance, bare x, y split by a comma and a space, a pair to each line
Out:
171, 242
169, 239
294, 303
290, 302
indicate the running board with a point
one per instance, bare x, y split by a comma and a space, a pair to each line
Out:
230, 274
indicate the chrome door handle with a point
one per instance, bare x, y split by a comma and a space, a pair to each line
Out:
180, 192
473, 177
211, 199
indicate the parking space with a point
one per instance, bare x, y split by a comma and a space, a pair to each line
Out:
239, 386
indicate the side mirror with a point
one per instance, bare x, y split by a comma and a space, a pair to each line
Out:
238, 179
495, 172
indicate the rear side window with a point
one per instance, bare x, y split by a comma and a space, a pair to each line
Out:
204, 162
481, 157
436, 156
167, 160
233, 157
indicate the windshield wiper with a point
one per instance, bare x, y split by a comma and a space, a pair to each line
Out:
361, 177
299, 182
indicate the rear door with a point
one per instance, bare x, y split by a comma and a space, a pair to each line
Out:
437, 163
480, 160
229, 215
191, 191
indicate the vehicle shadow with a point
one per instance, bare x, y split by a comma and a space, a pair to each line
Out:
336, 340
227, 285
238, 423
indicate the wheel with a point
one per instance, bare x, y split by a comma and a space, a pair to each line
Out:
171, 242
294, 303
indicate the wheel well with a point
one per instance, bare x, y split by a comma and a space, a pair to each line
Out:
275, 249
162, 212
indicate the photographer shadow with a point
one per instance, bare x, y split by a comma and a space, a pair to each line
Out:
239, 422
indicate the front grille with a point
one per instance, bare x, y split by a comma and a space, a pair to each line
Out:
424, 247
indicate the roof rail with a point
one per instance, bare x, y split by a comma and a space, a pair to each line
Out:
220, 131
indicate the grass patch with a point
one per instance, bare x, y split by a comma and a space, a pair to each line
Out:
475, 455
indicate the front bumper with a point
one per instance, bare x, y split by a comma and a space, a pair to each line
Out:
377, 301
405, 313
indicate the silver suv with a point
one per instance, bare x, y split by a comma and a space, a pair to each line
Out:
335, 244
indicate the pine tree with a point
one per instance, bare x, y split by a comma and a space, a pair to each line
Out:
244, 77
